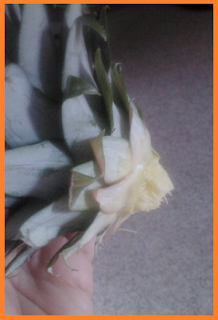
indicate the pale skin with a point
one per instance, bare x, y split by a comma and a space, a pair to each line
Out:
33, 291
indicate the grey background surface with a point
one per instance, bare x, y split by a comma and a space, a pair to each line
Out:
166, 268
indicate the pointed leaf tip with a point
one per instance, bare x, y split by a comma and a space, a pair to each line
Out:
51, 262
67, 263
92, 23
80, 180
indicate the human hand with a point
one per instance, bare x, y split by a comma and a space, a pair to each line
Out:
34, 291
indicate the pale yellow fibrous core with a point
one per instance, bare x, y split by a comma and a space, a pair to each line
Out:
151, 186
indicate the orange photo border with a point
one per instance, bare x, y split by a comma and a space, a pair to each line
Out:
2, 57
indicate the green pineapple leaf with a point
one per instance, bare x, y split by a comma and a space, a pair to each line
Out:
119, 89
67, 245
11, 245
20, 258
95, 25
103, 18
139, 111
105, 46
77, 86
104, 85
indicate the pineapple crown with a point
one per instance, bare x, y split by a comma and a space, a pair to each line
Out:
80, 158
